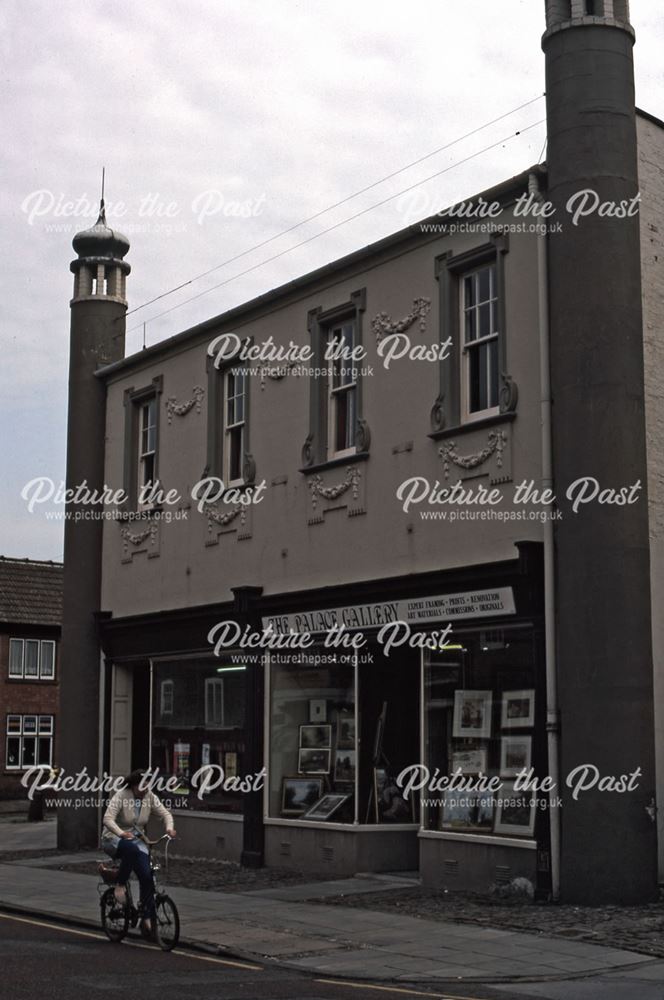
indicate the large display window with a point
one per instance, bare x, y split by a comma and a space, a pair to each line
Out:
481, 713
341, 728
198, 708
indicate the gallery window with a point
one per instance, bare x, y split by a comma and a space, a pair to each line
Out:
29, 741
340, 731
198, 719
482, 717
32, 659
479, 358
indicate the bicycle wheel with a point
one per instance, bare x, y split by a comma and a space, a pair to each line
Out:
167, 924
114, 916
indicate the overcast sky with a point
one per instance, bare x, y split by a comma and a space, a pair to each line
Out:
206, 108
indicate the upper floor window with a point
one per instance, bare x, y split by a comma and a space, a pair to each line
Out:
141, 460
147, 442
32, 659
337, 428
342, 392
479, 303
234, 413
229, 455
475, 383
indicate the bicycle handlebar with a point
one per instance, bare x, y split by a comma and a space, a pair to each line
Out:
153, 843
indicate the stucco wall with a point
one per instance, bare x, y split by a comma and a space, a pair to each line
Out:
285, 552
651, 182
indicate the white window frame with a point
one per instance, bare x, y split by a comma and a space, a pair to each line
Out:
14, 673
345, 390
44, 729
144, 427
216, 685
41, 674
232, 423
468, 346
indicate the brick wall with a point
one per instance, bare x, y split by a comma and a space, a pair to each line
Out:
21, 697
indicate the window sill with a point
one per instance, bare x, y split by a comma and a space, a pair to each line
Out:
31, 680
473, 425
334, 463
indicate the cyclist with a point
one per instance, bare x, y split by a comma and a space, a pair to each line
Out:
124, 825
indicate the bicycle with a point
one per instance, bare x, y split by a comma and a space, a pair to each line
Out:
117, 917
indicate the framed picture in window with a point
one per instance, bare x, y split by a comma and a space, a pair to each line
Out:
317, 710
315, 737
458, 811
470, 761
345, 731
298, 794
314, 760
344, 766
515, 755
325, 807
518, 709
515, 816
472, 714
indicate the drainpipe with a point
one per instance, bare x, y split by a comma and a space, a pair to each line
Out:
552, 712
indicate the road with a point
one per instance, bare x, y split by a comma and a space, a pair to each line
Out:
68, 963
65, 963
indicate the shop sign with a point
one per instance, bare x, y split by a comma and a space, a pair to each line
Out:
418, 611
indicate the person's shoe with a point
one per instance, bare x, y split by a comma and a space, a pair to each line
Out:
147, 930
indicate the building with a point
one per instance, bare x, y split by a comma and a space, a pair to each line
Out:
524, 365
30, 616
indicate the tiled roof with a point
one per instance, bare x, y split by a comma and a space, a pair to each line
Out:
30, 591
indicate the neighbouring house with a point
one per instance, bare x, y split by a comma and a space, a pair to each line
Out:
30, 624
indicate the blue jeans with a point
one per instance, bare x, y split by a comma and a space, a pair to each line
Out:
133, 859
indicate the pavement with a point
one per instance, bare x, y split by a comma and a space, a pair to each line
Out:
278, 925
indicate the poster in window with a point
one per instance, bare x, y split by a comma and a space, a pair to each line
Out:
230, 765
181, 759
205, 754
472, 714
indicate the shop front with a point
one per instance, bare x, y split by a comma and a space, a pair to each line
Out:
361, 740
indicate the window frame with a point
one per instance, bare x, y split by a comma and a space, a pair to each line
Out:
346, 391
231, 426
42, 733
40, 675
218, 450
318, 451
447, 413
134, 400
468, 346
